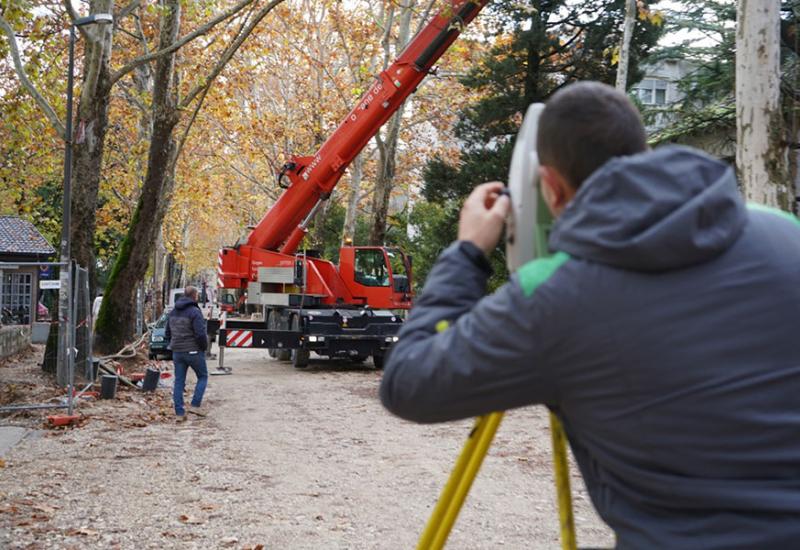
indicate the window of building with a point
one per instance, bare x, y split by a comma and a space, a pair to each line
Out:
652, 91
15, 298
371, 267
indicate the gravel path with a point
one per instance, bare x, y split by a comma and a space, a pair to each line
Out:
288, 460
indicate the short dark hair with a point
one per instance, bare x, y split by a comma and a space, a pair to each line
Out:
586, 124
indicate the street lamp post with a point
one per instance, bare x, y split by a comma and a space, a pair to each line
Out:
66, 318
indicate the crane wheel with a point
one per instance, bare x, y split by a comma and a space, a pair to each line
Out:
299, 356
273, 322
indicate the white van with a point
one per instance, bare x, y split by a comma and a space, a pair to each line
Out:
174, 295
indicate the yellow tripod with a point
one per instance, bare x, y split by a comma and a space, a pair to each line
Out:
469, 461
526, 238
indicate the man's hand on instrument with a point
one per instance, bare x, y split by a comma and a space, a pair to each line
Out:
483, 216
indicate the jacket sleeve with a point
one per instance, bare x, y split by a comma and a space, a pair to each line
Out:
199, 329
168, 331
490, 358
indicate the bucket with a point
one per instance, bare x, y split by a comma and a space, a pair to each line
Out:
108, 386
151, 377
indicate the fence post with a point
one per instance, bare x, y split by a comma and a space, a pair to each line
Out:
71, 352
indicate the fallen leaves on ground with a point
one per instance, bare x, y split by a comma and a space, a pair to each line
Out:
45, 509
191, 520
83, 532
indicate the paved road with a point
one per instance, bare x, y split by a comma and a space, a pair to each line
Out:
10, 436
288, 459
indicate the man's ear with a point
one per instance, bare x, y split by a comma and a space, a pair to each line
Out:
556, 191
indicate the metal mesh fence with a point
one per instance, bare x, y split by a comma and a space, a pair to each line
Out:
83, 324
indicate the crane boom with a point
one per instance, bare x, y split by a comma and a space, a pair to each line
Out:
312, 178
307, 303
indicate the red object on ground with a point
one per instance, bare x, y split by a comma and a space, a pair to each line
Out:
136, 377
62, 419
166, 375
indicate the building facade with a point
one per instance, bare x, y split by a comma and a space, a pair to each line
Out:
21, 243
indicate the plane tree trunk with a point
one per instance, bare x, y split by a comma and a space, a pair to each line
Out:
387, 144
625, 46
116, 321
761, 153
353, 193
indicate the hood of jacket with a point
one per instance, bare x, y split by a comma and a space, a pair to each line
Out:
659, 210
183, 303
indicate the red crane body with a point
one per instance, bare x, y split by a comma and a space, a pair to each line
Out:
274, 241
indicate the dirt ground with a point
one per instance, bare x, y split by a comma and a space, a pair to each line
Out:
286, 459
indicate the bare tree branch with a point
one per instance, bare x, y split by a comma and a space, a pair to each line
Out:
229, 52
131, 98
141, 36
200, 31
70, 11
424, 18
26, 83
73, 15
191, 122
127, 10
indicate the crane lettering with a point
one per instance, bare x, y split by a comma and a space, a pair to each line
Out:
314, 164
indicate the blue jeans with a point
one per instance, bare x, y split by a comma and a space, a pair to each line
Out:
183, 360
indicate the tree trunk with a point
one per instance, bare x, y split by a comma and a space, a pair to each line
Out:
387, 148
319, 233
387, 168
625, 45
170, 276
88, 140
89, 137
351, 215
116, 321
761, 155
159, 263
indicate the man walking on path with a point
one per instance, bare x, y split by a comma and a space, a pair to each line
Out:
186, 333
661, 333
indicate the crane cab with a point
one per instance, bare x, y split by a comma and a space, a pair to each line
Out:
377, 276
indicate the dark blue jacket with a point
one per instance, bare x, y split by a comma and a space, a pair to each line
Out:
186, 329
662, 334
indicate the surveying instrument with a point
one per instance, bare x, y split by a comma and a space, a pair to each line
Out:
526, 239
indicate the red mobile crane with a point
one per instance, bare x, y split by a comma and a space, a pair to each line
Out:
309, 303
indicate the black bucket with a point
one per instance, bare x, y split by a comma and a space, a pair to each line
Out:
93, 369
151, 378
108, 386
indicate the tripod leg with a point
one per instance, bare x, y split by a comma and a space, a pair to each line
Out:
455, 491
563, 491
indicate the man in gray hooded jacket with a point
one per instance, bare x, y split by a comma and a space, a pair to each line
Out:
660, 332
188, 340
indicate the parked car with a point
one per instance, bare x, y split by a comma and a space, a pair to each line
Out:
158, 338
